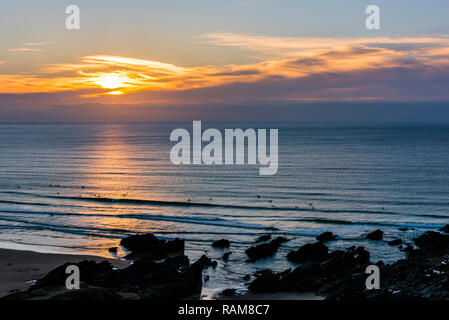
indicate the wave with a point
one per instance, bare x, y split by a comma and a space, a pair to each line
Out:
418, 225
192, 220
212, 221
24, 203
149, 202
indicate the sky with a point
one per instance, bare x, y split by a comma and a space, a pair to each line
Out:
297, 60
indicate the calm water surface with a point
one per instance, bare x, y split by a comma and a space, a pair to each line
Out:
72, 189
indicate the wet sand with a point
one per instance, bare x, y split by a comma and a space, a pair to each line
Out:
18, 268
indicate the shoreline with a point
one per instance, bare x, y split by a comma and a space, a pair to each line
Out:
161, 270
18, 268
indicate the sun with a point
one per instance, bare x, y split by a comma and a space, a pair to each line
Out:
111, 81
115, 93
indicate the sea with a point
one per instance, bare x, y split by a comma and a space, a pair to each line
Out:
80, 188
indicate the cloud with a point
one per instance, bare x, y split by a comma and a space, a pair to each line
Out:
293, 69
35, 43
25, 50
307, 46
33, 48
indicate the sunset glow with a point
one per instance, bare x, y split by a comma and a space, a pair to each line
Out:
170, 62
289, 58
110, 81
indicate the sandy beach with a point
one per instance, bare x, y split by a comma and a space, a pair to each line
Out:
19, 268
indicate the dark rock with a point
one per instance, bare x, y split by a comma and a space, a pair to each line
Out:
223, 243
226, 256
170, 279
265, 249
263, 238
423, 275
375, 235
148, 245
404, 229
407, 248
309, 252
433, 243
266, 281
228, 292
246, 277
113, 249
396, 242
89, 294
315, 276
90, 271
205, 262
145, 279
361, 255
280, 240
445, 228
326, 236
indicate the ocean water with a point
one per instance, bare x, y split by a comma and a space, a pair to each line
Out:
81, 188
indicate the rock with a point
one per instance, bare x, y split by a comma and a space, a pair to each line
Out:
266, 281
445, 228
309, 252
263, 238
226, 256
223, 243
228, 292
315, 276
89, 294
174, 278
433, 243
326, 236
261, 251
375, 235
265, 249
396, 242
408, 248
423, 275
280, 240
404, 229
113, 249
148, 245
205, 262
170, 279
246, 277
90, 271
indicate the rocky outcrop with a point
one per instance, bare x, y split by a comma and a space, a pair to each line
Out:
148, 245
315, 276
223, 243
433, 243
326, 236
309, 252
423, 275
375, 235
395, 242
263, 238
173, 278
226, 256
265, 249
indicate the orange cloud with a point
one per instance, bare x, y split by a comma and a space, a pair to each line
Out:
35, 43
287, 58
25, 50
